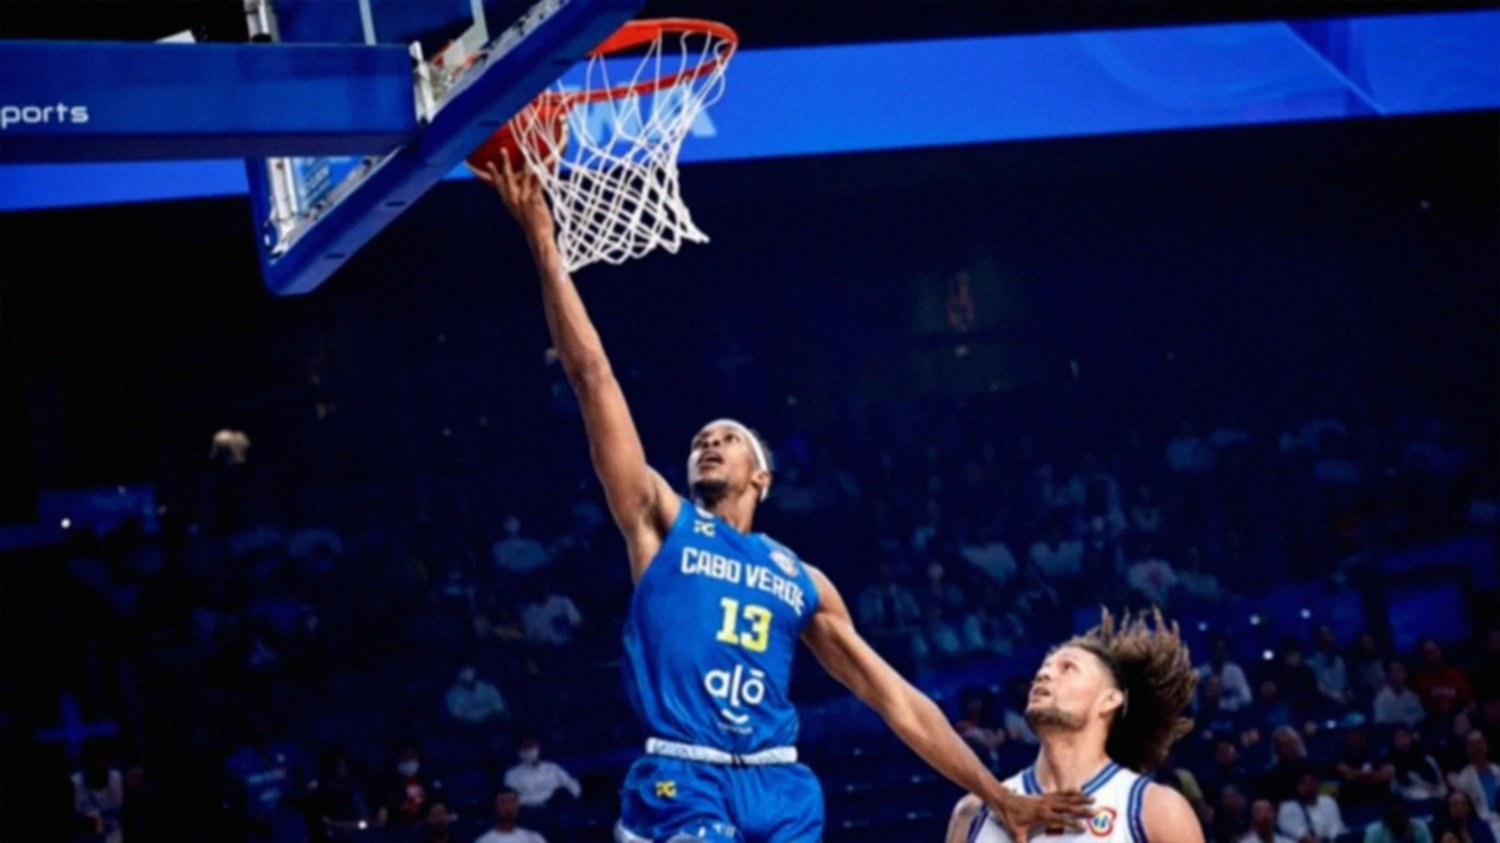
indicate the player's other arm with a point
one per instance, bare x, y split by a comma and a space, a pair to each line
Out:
1168, 817
642, 503
918, 721
964, 814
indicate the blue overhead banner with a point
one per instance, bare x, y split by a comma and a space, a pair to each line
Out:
822, 100
92, 101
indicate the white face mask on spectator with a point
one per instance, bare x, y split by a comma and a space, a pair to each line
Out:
530, 756
408, 768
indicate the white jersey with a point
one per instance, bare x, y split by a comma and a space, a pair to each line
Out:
1118, 797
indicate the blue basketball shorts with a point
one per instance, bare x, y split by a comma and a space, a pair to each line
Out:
665, 799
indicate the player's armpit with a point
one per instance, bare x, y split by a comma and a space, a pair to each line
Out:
1169, 818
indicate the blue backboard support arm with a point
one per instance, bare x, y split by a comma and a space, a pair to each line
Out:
505, 84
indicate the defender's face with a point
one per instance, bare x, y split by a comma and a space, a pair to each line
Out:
721, 454
1071, 688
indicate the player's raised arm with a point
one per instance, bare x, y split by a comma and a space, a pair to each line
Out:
918, 721
642, 503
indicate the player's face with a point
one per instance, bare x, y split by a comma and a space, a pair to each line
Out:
722, 456
1071, 689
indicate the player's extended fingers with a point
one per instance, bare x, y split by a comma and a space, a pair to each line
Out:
1075, 801
485, 175
1070, 804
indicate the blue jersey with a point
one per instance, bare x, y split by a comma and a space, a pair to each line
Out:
709, 640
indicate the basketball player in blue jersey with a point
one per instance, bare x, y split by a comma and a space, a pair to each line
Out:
1107, 706
716, 616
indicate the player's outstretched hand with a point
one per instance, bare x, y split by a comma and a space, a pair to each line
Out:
521, 191
1052, 812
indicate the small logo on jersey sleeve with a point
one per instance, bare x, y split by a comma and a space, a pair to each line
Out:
785, 562
1102, 823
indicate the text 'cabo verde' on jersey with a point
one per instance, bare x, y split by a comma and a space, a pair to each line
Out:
699, 562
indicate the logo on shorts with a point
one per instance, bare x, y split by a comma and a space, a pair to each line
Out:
666, 790
787, 565
1102, 823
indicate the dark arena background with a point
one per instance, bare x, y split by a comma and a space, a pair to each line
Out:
256, 544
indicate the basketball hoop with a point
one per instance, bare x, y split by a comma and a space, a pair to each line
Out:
606, 150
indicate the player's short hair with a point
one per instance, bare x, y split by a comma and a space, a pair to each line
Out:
1152, 666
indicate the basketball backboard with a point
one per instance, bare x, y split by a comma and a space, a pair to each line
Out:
345, 113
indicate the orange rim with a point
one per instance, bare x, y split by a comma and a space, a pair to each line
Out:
638, 32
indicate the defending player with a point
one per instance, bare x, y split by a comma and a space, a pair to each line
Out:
1107, 706
716, 614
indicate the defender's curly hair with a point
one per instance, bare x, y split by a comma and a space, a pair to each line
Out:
1151, 664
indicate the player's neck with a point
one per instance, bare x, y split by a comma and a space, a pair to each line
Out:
738, 511
1068, 760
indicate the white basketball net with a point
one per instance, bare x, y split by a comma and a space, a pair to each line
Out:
613, 185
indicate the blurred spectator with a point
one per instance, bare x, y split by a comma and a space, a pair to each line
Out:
978, 728
1035, 597
1284, 779
1062, 494
938, 590
1460, 819
1214, 721
1397, 703
1331, 671
1443, 687
1231, 820
1195, 584
507, 813
1226, 767
98, 797
888, 611
1480, 779
1188, 453
924, 536
992, 627
409, 792
437, 825
518, 554
336, 801
552, 619
1417, 776
1487, 670
1367, 666
937, 640
1295, 681
1232, 681
1310, 816
472, 701
1397, 826
1364, 774
266, 778
1151, 577
536, 781
1146, 516
988, 555
1263, 825
1016, 727
1056, 556
1269, 712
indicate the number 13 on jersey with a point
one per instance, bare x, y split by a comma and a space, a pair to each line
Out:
759, 619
